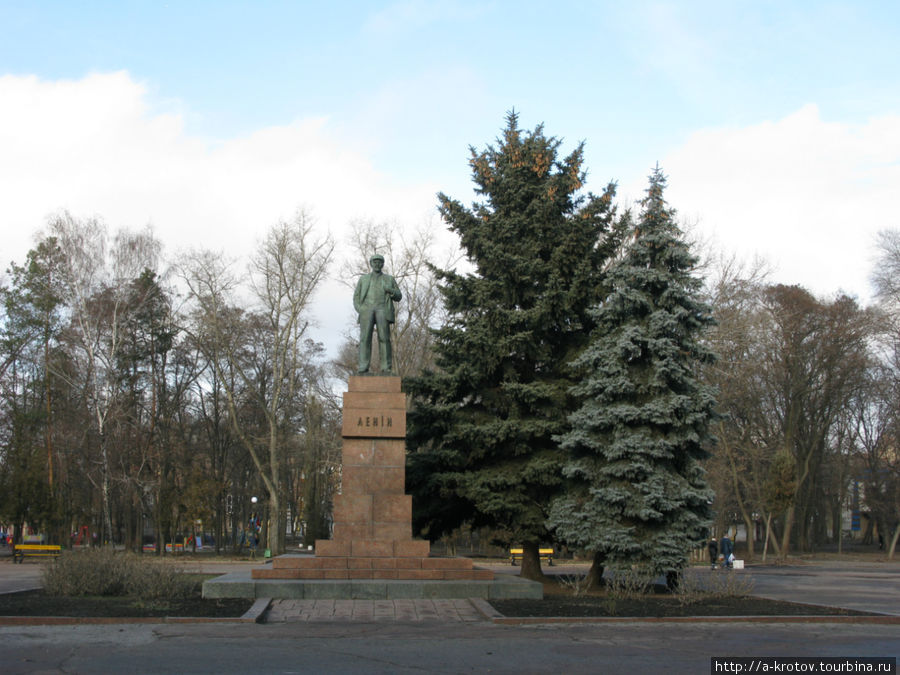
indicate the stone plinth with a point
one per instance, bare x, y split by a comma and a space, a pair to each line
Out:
372, 538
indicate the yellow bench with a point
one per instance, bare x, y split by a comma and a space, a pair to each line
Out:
35, 550
515, 555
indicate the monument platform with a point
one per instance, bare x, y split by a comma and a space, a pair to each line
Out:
242, 585
372, 553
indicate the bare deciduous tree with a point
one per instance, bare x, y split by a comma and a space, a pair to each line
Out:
96, 279
286, 270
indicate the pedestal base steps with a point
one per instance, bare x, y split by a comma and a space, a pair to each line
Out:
242, 585
381, 567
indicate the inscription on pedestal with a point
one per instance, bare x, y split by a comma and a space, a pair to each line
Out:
365, 423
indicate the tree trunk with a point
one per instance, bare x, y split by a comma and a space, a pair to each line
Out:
894, 539
594, 578
106, 529
275, 524
750, 525
673, 579
786, 535
531, 562
768, 536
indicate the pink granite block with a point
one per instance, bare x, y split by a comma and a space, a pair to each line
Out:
392, 531
358, 451
412, 548
408, 563
447, 564
328, 548
354, 531
375, 400
374, 383
332, 564
384, 574
390, 452
391, 508
384, 480
353, 479
371, 548
285, 562
353, 508
369, 480
361, 563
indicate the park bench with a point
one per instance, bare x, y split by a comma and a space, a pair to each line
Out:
21, 551
515, 555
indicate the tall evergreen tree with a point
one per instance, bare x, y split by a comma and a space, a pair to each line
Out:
638, 493
481, 431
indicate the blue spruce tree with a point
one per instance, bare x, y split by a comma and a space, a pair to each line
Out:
638, 494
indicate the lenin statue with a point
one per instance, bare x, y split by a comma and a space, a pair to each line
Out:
374, 300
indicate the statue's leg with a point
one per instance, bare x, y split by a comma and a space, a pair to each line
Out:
387, 352
384, 341
366, 324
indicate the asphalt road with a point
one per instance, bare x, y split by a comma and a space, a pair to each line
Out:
424, 648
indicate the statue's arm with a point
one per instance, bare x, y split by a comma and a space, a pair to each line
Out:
357, 295
395, 290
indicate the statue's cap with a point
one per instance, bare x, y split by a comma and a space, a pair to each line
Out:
377, 256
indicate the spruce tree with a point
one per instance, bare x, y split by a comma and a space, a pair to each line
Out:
482, 425
638, 494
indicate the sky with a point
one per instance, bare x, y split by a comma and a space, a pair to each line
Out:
777, 124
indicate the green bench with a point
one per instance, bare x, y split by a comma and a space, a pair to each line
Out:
21, 551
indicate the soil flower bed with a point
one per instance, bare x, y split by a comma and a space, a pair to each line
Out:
728, 598
37, 603
661, 606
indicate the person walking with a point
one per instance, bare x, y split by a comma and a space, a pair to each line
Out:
727, 549
713, 548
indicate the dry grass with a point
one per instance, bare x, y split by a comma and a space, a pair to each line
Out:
103, 572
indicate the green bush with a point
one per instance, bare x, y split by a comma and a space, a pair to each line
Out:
106, 572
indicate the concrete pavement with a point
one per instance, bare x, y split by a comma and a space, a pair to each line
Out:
869, 587
410, 611
14, 578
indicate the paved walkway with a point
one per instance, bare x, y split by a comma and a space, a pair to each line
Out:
289, 611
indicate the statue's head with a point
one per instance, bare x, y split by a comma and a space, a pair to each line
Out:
377, 261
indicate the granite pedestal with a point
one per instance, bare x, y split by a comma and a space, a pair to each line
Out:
372, 553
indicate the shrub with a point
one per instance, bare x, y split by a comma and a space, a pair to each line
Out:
630, 581
725, 584
106, 572
576, 583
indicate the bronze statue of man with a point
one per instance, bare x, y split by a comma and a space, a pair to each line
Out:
374, 300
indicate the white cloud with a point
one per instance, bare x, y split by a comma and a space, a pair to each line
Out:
806, 194
95, 147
